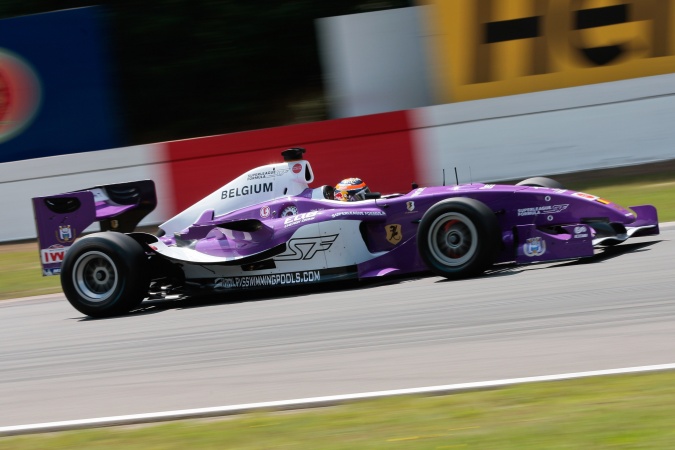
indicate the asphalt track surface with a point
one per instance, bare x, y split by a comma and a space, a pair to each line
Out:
614, 310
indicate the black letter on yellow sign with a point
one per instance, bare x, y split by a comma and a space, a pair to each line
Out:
601, 17
509, 30
535, 59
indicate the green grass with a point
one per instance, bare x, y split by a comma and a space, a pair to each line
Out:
657, 189
21, 275
617, 412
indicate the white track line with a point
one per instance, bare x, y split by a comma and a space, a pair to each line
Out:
313, 402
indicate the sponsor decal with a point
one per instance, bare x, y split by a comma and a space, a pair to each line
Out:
417, 192
584, 195
393, 233
535, 246
306, 248
580, 232
99, 195
54, 254
265, 212
266, 174
410, 206
559, 191
289, 211
297, 168
65, 234
487, 186
358, 213
277, 279
246, 190
547, 209
300, 218
50, 272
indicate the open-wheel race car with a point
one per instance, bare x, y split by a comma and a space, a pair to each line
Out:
268, 228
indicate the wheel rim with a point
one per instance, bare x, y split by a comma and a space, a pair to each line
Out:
95, 276
453, 239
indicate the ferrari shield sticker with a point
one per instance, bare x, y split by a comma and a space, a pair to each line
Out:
393, 235
535, 246
410, 206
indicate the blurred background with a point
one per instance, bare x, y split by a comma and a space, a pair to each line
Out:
193, 93
177, 69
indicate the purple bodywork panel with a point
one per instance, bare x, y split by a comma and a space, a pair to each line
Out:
537, 224
59, 220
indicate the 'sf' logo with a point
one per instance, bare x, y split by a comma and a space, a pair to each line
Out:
306, 248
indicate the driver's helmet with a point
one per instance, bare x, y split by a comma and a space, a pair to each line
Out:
351, 190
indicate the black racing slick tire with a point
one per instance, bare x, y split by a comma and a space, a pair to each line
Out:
541, 182
105, 274
459, 238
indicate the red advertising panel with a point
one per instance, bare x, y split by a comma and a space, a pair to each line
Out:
376, 148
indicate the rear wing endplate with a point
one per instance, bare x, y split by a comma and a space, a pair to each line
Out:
61, 218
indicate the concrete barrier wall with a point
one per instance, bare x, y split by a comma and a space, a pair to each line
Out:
568, 130
22, 180
375, 147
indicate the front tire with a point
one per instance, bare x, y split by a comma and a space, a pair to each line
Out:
459, 238
105, 274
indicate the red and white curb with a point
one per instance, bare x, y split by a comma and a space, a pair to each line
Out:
313, 402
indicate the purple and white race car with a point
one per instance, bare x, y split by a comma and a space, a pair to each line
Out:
268, 228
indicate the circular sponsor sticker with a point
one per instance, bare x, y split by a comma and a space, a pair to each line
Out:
297, 168
19, 94
265, 212
289, 211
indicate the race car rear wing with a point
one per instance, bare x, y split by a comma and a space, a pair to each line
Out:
61, 218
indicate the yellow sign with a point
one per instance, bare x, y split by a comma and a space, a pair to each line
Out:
490, 48
394, 235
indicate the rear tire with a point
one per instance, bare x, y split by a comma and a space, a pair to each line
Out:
541, 182
459, 238
105, 274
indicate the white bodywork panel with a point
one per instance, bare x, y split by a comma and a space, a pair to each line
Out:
259, 185
336, 243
